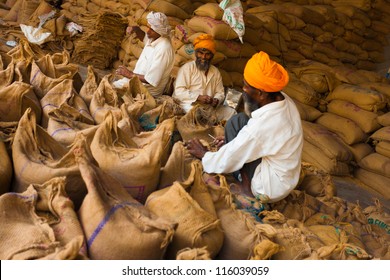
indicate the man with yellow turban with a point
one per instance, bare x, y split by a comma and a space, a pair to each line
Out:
200, 82
156, 61
266, 146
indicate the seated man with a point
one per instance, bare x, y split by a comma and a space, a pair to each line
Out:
201, 82
156, 61
266, 147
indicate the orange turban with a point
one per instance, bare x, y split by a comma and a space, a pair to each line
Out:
204, 41
265, 74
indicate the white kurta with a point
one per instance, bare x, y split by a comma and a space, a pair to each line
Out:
156, 63
191, 82
274, 133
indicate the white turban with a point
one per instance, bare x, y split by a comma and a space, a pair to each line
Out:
159, 23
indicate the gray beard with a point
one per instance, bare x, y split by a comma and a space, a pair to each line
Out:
202, 66
249, 105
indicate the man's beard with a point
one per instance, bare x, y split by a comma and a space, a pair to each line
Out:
250, 104
202, 65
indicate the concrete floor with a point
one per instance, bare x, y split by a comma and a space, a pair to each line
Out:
353, 190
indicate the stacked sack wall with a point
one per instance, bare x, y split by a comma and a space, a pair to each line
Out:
329, 50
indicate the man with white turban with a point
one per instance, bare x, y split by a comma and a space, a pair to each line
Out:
266, 146
200, 82
156, 61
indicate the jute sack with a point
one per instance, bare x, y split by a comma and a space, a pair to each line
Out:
105, 99
375, 244
64, 125
9, 74
196, 226
306, 112
15, 99
383, 148
233, 64
90, 85
382, 134
366, 120
64, 95
360, 150
178, 166
319, 76
183, 33
370, 100
376, 163
349, 75
302, 92
235, 49
6, 169
383, 88
330, 144
241, 231
347, 129
199, 122
319, 159
26, 231
217, 28
45, 74
378, 219
37, 157
117, 226
212, 10
23, 52
117, 153
316, 182
376, 182
264, 250
193, 254
169, 9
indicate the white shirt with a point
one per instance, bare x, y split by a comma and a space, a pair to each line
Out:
192, 82
156, 63
274, 133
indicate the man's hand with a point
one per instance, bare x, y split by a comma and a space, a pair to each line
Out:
214, 102
196, 148
123, 71
219, 141
205, 99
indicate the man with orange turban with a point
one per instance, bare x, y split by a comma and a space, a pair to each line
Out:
200, 82
266, 146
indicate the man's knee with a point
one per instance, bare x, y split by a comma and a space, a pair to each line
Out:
234, 125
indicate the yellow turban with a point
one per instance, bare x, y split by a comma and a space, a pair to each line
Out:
265, 74
204, 41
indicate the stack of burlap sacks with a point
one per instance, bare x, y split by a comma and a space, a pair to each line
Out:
80, 179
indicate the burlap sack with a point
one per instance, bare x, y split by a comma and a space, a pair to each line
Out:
37, 157
45, 74
217, 28
376, 163
6, 169
366, 120
196, 226
117, 226
306, 112
384, 119
264, 250
256, 36
378, 218
235, 49
383, 148
178, 166
199, 122
169, 9
316, 182
8, 72
193, 254
212, 10
233, 64
183, 33
64, 95
345, 128
105, 99
316, 156
29, 225
117, 153
366, 99
90, 85
377, 183
375, 244
331, 145
382, 134
65, 124
241, 231
382, 87
302, 92
15, 99
360, 150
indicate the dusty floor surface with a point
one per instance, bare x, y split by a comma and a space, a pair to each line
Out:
353, 190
